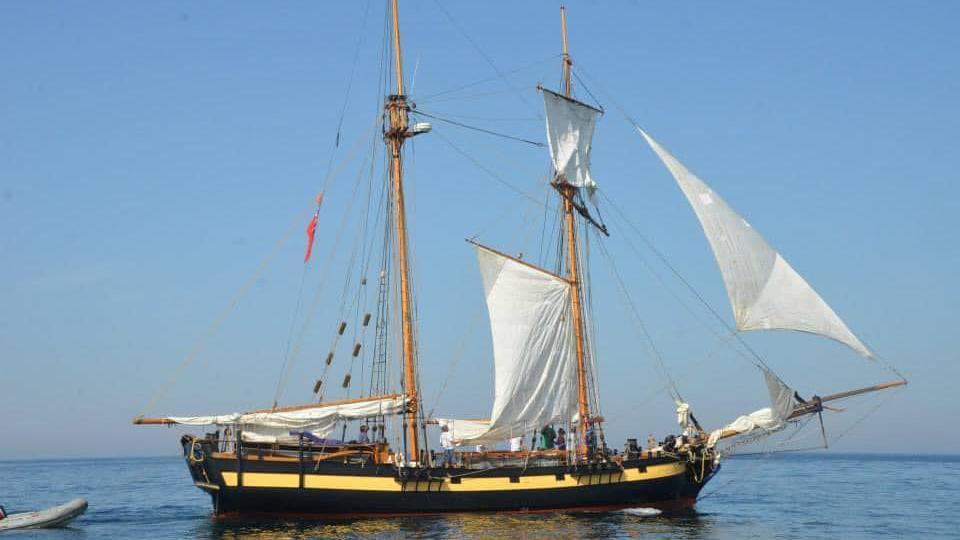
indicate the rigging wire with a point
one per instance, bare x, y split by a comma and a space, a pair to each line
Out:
733, 331
293, 325
431, 97
457, 356
485, 169
664, 373
686, 283
487, 118
342, 309
589, 326
288, 363
724, 337
308, 320
483, 54
587, 88
265, 263
211, 330
481, 130
884, 399
353, 70
466, 98
507, 209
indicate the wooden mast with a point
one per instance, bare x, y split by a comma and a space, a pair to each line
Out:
567, 192
397, 109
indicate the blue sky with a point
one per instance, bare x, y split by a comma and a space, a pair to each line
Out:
152, 154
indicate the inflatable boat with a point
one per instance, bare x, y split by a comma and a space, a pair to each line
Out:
56, 516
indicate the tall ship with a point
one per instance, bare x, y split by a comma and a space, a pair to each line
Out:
543, 446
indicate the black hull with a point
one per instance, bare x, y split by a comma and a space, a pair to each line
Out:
271, 487
667, 495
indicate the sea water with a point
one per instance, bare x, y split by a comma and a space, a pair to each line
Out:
809, 495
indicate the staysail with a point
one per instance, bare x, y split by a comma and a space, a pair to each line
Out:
765, 292
769, 419
533, 348
570, 125
319, 420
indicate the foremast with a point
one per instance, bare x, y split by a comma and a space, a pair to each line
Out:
397, 109
567, 192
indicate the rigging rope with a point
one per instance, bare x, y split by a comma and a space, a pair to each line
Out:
587, 88
457, 355
288, 364
739, 338
481, 130
293, 324
687, 284
431, 97
199, 344
664, 373
483, 54
353, 70
482, 167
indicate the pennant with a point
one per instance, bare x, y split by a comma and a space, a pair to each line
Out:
312, 229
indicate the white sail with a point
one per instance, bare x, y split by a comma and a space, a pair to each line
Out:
765, 292
770, 419
533, 347
570, 127
320, 421
462, 430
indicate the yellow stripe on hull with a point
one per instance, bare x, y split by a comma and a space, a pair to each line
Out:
500, 483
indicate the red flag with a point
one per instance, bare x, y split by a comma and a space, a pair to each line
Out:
312, 228
311, 231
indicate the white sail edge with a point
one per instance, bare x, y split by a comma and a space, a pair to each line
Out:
765, 292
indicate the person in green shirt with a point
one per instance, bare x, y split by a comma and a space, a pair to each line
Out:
547, 437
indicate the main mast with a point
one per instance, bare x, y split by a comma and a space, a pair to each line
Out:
567, 192
396, 107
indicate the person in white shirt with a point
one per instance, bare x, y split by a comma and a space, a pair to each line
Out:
446, 443
516, 444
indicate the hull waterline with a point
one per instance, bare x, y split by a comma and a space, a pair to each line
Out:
265, 486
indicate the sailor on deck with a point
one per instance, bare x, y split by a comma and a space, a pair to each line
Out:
547, 437
591, 436
446, 443
364, 437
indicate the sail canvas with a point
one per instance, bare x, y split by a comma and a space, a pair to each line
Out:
765, 292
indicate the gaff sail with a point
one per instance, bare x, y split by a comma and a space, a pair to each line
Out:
765, 292
533, 348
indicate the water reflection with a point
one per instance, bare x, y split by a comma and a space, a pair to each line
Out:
553, 525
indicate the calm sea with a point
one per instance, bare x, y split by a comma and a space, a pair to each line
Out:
821, 495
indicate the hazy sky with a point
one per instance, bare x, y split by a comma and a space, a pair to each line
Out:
153, 154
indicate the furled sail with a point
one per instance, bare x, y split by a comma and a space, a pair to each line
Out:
765, 292
318, 420
768, 420
533, 347
570, 125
